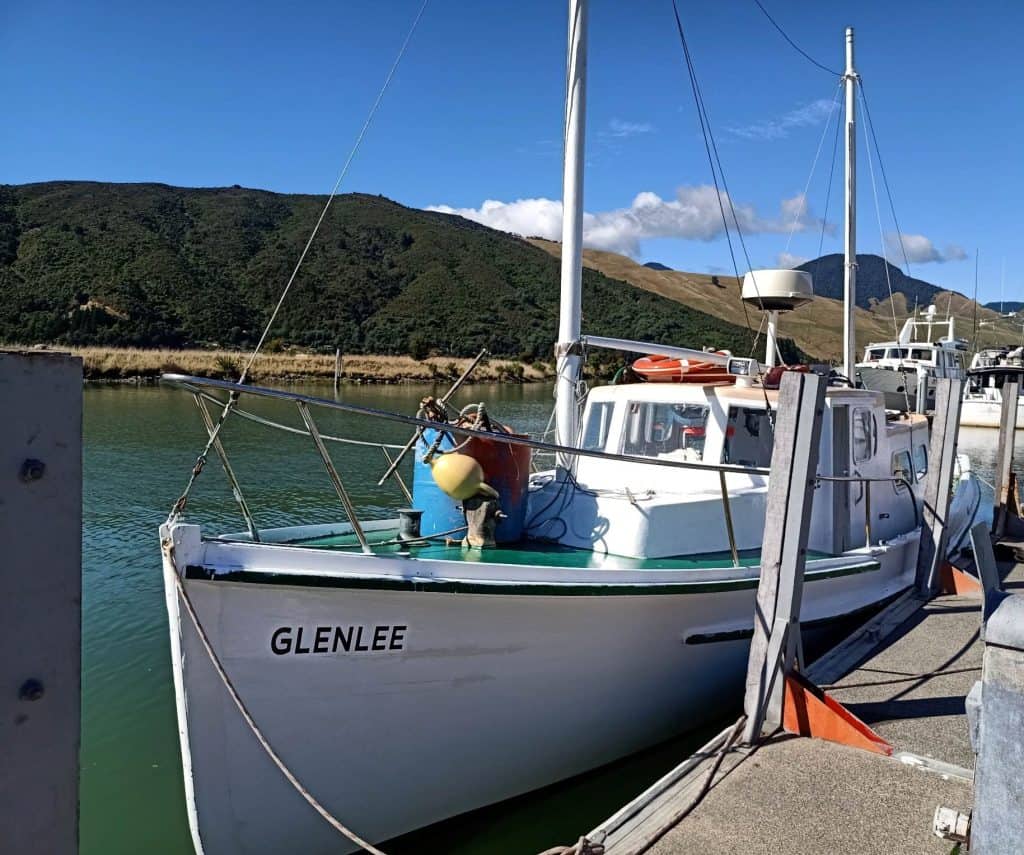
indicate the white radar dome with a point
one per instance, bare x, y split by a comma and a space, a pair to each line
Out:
777, 290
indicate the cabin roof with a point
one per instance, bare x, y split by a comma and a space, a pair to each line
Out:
701, 393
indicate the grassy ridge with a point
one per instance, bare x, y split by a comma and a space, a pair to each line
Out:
148, 265
114, 363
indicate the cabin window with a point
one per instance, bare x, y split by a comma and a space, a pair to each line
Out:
876, 353
897, 353
920, 460
599, 421
921, 353
901, 469
665, 430
865, 440
749, 437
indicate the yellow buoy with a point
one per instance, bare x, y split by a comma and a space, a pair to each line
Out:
459, 475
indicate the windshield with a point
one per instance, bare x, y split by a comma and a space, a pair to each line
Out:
655, 429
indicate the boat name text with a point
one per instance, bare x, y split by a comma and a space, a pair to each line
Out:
334, 639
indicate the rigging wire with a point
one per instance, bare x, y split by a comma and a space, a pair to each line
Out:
885, 262
337, 184
975, 331
828, 192
707, 147
885, 177
714, 159
814, 165
179, 506
793, 44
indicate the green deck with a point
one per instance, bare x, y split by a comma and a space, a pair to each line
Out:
536, 553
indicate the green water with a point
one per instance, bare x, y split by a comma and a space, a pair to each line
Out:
140, 443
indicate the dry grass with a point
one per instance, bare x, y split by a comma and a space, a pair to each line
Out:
113, 363
817, 328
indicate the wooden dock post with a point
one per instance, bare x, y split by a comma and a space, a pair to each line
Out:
939, 484
1004, 486
40, 600
337, 369
776, 642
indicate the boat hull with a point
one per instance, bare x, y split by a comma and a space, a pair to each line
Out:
481, 696
987, 412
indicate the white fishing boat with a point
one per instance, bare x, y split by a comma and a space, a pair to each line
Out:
401, 678
983, 397
896, 368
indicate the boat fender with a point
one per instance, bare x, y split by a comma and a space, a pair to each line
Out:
460, 476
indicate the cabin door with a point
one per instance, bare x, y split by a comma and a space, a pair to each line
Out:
847, 496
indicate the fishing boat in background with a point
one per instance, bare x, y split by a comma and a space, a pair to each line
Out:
983, 397
519, 624
917, 356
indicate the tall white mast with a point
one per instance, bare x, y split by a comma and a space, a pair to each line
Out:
850, 266
567, 353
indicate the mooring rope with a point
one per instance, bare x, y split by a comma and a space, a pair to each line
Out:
310, 799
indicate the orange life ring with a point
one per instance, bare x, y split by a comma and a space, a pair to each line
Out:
668, 369
773, 379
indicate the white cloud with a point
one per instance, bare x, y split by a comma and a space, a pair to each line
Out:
619, 128
920, 250
787, 259
694, 214
778, 128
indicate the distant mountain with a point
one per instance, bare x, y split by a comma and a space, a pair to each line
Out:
655, 265
872, 286
1005, 306
152, 265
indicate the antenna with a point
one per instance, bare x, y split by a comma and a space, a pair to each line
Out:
1002, 285
975, 333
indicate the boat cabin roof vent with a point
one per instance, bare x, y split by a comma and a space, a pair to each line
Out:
777, 290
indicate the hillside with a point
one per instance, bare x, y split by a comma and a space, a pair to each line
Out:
817, 328
150, 265
872, 286
1005, 306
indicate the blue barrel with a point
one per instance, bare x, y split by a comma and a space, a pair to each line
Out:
506, 468
441, 512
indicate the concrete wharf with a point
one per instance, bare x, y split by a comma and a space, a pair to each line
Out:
796, 795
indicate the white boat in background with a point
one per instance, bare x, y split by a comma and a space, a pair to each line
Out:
404, 679
983, 398
896, 368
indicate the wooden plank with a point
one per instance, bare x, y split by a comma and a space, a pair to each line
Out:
40, 600
633, 828
1004, 457
863, 642
784, 549
939, 484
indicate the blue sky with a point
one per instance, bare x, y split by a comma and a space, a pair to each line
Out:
270, 95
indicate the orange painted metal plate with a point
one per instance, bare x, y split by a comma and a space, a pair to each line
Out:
808, 711
955, 581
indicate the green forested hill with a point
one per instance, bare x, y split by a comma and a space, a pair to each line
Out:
148, 265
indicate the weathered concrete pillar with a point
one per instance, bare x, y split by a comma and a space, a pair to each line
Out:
998, 821
40, 600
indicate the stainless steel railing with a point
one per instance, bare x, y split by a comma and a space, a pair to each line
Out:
201, 387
